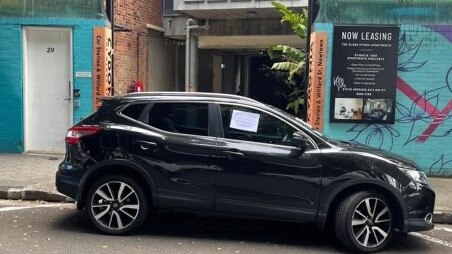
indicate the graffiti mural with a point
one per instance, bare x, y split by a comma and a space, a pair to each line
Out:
430, 113
424, 102
377, 135
438, 166
407, 55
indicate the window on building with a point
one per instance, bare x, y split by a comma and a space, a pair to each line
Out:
168, 7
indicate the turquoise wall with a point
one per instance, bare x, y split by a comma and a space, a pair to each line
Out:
423, 128
11, 113
11, 74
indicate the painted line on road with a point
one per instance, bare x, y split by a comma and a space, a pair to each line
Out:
14, 208
432, 239
443, 229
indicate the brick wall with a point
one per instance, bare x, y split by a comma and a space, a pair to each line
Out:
131, 48
423, 127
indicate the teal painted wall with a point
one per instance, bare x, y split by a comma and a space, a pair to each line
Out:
11, 66
83, 61
11, 100
423, 128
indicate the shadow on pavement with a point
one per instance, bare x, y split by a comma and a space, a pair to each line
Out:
281, 233
241, 230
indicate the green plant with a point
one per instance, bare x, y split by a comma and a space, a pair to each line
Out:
284, 88
290, 59
293, 60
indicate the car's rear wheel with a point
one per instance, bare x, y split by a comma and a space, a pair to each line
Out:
364, 222
116, 205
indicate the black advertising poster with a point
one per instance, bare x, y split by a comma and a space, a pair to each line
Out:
364, 74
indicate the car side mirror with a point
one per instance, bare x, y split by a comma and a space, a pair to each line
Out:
301, 142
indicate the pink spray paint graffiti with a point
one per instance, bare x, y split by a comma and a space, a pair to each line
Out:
438, 116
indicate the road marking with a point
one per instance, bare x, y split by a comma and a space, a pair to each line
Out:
444, 229
432, 239
14, 208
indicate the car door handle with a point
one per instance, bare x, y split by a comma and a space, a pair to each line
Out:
146, 145
234, 154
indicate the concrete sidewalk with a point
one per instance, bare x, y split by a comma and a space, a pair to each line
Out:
32, 177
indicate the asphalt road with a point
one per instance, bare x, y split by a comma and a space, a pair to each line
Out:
33, 227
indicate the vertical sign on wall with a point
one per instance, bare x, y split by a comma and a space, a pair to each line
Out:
316, 87
364, 73
102, 66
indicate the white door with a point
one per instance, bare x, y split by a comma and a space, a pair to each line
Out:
48, 89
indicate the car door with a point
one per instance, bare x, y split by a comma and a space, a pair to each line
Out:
260, 171
177, 146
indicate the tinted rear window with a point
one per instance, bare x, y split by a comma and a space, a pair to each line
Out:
187, 118
134, 110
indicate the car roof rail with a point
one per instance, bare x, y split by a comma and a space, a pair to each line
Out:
200, 94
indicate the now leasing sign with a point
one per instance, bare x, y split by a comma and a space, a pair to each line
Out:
102, 66
364, 72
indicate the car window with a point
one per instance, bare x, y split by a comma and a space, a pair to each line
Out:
247, 124
305, 125
134, 110
186, 118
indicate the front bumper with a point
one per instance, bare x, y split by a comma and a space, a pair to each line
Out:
420, 205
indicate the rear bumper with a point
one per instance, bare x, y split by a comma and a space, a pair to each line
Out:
66, 185
67, 180
420, 206
413, 225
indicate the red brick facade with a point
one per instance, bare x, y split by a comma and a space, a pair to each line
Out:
133, 15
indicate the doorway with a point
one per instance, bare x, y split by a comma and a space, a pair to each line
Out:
48, 88
266, 85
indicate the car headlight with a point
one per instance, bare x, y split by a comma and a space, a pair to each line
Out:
415, 175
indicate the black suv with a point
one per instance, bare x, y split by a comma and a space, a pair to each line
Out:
230, 155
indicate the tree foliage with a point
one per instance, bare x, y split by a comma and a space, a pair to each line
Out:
298, 21
290, 59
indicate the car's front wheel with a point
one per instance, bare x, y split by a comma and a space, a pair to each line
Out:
116, 205
364, 222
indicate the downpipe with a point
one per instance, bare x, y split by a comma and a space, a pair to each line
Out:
189, 56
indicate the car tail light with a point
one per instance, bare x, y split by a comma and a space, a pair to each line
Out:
74, 134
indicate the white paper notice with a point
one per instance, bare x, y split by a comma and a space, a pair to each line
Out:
246, 121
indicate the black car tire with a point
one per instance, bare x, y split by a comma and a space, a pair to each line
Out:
377, 227
123, 216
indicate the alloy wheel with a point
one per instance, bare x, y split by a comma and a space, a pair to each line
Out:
115, 205
371, 222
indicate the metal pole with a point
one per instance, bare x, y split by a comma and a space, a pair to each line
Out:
138, 56
112, 11
176, 63
191, 25
193, 63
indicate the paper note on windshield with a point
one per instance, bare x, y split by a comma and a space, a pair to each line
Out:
245, 121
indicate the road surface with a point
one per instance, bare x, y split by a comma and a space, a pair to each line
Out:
37, 227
